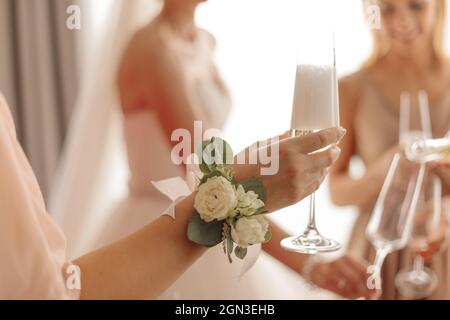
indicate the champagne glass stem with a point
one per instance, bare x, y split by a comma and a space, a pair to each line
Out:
381, 255
419, 264
312, 198
312, 212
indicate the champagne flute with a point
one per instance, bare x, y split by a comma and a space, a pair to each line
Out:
428, 230
315, 107
390, 225
415, 122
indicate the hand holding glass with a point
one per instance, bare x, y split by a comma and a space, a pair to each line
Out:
316, 107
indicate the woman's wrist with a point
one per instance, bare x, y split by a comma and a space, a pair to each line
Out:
244, 171
185, 206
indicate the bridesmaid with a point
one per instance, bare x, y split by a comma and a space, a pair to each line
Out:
408, 55
32, 247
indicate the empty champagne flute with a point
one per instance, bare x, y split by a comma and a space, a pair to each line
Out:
390, 225
415, 122
427, 232
315, 107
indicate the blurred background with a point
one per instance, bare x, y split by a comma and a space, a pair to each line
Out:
43, 64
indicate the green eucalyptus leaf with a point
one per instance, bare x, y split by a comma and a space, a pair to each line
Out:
202, 147
223, 151
204, 233
256, 186
204, 168
240, 252
268, 236
208, 157
213, 152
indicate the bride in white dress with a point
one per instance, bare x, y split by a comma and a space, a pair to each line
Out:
167, 79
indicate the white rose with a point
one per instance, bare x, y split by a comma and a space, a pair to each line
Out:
250, 230
216, 199
248, 202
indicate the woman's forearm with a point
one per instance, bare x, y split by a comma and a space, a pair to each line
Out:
348, 191
143, 265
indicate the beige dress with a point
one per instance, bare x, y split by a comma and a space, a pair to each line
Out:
376, 128
33, 262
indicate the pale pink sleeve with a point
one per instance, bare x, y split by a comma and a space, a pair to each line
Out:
32, 248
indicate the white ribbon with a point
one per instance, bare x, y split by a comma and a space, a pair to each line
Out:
177, 188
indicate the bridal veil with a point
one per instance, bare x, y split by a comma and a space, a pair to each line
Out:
93, 171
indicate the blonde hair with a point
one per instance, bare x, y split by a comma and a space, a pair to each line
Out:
380, 49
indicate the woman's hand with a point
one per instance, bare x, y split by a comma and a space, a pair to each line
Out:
302, 168
435, 244
361, 192
346, 276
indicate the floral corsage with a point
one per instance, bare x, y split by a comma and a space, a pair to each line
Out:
225, 210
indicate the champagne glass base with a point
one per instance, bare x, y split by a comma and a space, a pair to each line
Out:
416, 284
310, 244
